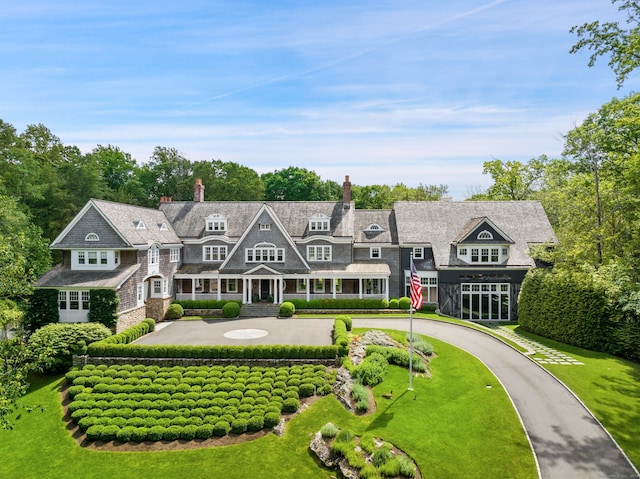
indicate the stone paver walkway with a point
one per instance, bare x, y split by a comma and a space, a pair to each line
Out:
548, 355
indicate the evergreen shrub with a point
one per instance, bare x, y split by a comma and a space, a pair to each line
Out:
231, 310
287, 309
348, 322
103, 307
404, 303
174, 311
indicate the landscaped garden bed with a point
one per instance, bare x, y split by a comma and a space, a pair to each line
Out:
148, 403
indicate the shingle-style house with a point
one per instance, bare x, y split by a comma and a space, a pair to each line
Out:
471, 256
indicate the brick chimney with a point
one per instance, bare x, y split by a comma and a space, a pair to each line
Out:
165, 199
198, 191
346, 193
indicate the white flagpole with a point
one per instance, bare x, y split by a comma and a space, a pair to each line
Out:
410, 323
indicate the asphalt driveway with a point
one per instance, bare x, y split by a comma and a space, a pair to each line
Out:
568, 442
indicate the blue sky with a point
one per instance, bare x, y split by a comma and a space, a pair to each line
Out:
383, 91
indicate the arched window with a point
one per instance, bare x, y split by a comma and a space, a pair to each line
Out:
92, 237
485, 235
374, 227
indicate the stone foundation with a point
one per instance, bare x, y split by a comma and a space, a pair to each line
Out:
157, 308
130, 318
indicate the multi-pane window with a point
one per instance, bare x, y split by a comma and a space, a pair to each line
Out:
154, 255
140, 294
264, 253
232, 285
494, 255
375, 252
418, 253
214, 253
429, 282
73, 300
319, 253
485, 235
174, 255
94, 258
319, 222
216, 223
265, 226
373, 286
318, 285
301, 285
485, 301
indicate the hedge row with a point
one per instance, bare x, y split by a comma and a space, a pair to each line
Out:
399, 357
581, 309
102, 349
129, 335
204, 303
341, 337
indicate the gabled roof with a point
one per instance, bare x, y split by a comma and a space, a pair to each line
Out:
61, 276
440, 223
188, 218
475, 224
118, 225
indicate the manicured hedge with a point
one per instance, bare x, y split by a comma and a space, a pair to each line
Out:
340, 303
341, 337
399, 357
174, 311
286, 309
103, 349
129, 335
231, 310
204, 303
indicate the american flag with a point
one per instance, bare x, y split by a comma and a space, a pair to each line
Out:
416, 289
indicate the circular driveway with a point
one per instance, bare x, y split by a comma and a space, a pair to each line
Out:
568, 442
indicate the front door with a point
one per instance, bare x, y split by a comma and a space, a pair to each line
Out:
264, 289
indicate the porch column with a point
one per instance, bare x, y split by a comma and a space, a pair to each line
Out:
386, 289
360, 288
244, 291
333, 288
308, 289
219, 290
250, 292
193, 289
281, 289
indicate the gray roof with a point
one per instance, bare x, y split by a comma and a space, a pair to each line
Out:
188, 218
117, 226
386, 219
442, 222
61, 276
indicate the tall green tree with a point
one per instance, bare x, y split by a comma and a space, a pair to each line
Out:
167, 173
228, 181
117, 170
620, 43
294, 184
514, 180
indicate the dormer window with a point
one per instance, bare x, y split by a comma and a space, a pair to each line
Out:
481, 254
319, 222
92, 237
374, 227
140, 225
216, 222
485, 235
163, 227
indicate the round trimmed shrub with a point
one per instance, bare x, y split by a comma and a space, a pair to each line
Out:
139, 434
324, 390
172, 433
271, 419
189, 432
239, 426
290, 405
94, 432
86, 422
255, 423
287, 309
307, 390
175, 311
221, 428
231, 310
156, 433
124, 434
109, 433
404, 303
204, 432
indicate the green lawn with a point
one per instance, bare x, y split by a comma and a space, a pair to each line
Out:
452, 425
609, 386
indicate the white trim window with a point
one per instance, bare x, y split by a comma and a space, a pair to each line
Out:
94, 259
153, 259
92, 237
264, 253
418, 253
174, 255
73, 300
375, 252
338, 285
485, 301
214, 253
319, 253
319, 222
232, 285
301, 285
140, 294
265, 226
483, 255
215, 223
318, 285
373, 286
485, 235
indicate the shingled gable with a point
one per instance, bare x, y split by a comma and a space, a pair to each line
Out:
440, 223
475, 226
250, 237
117, 226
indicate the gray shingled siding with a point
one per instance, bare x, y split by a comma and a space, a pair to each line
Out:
193, 253
92, 222
472, 238
341, 253
275, 236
